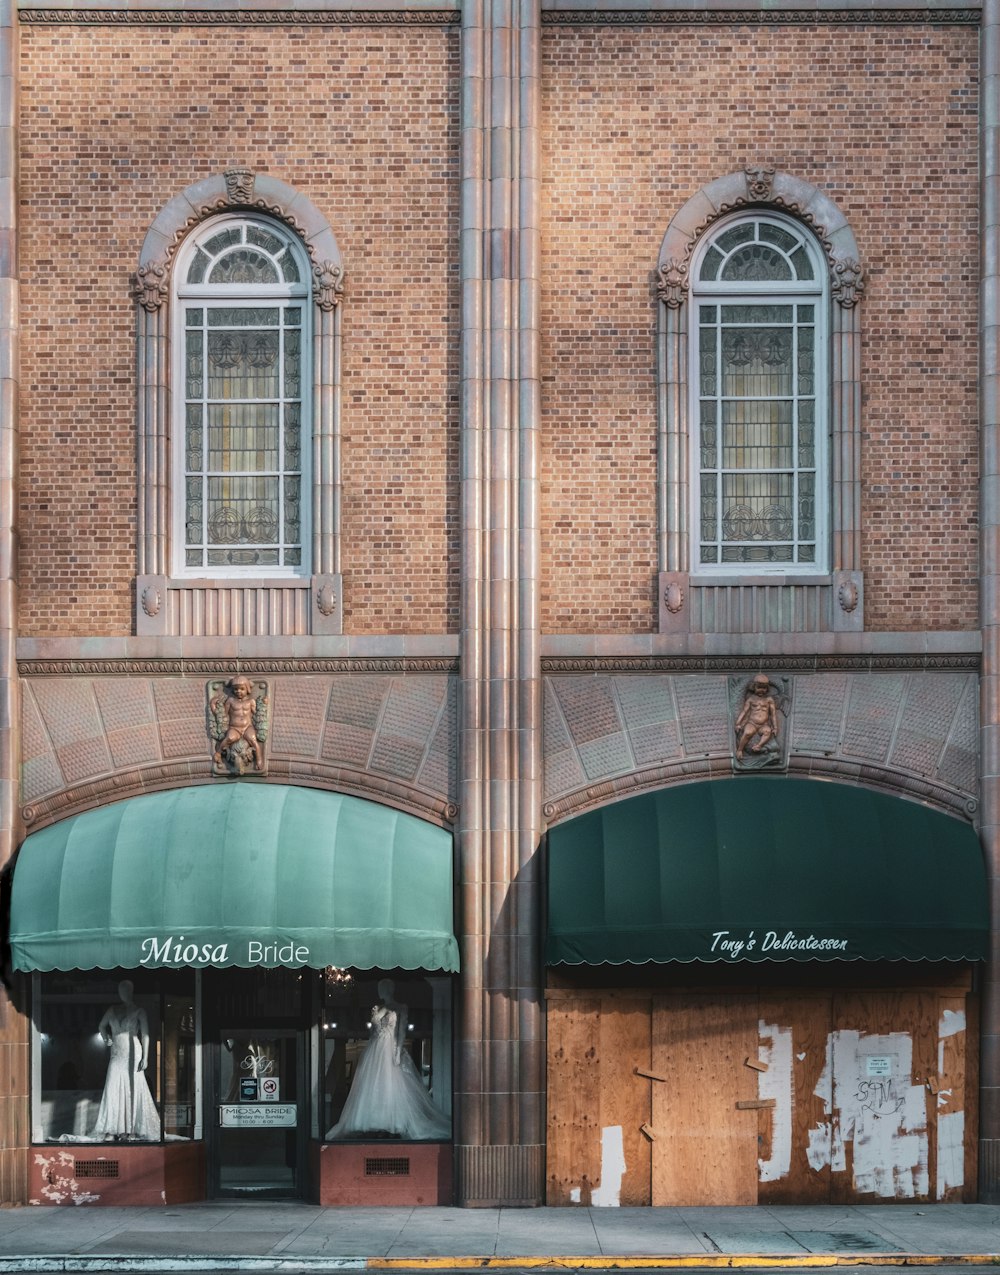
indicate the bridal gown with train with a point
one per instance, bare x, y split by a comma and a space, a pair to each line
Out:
127, 1107
388, 1096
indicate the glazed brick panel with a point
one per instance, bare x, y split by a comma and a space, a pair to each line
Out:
635, 121
363, 121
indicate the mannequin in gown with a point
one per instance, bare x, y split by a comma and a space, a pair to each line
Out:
127, 1109
387, 1094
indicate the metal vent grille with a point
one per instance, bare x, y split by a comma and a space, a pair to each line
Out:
387, 1166
96, 1168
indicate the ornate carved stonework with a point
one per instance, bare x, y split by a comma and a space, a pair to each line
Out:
759, 181
238, 722
149, 286
328, 285
673, 597
326, 599
848, 283
848, 596
245, 16
759, 707
672, 284
239, 185
151, 600
727, 17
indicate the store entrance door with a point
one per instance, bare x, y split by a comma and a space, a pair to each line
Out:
259, 1135
257, 1110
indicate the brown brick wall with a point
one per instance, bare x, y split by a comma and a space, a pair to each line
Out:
364, 121
635, 121
115, 121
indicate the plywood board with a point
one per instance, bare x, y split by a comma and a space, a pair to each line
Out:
794, 1154
883, 1048
972, 1004
705, 1150
573, 1152
950, 1182
625, 1104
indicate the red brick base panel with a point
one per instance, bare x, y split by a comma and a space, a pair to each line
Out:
381, 1173
106, 1173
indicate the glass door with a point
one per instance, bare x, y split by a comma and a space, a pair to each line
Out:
259, 1109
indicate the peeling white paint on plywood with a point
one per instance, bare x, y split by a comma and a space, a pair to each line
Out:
818, 1150
882, 1116
951, 1151
950, 1124
775, 1050
608, 1193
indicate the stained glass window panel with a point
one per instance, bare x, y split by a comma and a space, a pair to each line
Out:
244, 376
756, 405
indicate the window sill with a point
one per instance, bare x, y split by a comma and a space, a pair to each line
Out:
238, 606
759, 580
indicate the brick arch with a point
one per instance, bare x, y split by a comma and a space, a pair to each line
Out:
704, 770
158, 777
238, 190
761, 188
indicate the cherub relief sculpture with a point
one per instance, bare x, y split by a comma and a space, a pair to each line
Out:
758, 707
238, 716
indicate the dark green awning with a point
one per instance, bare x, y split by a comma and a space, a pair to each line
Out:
235, 874
761, 868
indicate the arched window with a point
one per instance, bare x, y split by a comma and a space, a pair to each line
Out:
759, 411
758, 391
237, 304
242, 342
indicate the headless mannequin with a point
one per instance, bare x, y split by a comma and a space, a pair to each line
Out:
387, 1094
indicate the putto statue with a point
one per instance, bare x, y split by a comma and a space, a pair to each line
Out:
238, 715
758, 707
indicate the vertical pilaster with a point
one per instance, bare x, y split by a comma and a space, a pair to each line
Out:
989, 1118
501, 1064
13, 1025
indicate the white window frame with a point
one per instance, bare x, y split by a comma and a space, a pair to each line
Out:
212, 296
792, 292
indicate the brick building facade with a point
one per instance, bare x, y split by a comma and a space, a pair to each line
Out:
500, 389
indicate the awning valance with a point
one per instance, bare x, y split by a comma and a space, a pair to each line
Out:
758, 868
235, 874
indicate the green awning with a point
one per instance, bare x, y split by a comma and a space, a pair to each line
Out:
759, 868
235, 874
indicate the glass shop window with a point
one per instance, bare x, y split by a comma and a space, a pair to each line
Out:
114, 1056
386, 1056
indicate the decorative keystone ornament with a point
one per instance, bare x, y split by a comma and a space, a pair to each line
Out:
239, 185
760, 182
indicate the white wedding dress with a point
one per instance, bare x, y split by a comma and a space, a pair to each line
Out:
387, 1094
127, 1107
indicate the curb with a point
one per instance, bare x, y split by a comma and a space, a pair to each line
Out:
79, 1264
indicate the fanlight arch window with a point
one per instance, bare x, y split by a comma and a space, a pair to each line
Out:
758, 380
242, 401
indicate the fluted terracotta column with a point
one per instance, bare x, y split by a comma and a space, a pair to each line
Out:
500, 1090
14, 1122
989, 1118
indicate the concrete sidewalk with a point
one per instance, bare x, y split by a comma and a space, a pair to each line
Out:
295, 1237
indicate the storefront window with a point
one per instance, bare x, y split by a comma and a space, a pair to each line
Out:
387, 1056
115, 1056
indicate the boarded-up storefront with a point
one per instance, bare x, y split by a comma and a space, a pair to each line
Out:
747, 1006
762, 1095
